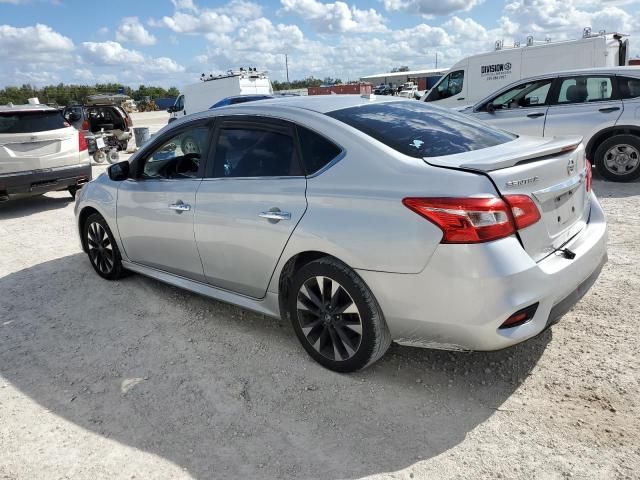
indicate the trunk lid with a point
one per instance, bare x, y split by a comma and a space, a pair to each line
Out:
550, 171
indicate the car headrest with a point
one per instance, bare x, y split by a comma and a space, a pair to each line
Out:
577, 94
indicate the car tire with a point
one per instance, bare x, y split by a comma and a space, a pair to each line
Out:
618, 158
102, 248
336, 317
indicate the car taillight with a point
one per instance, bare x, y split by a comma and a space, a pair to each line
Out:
589, 176
476, 220
82, 142
523, 209
85, 125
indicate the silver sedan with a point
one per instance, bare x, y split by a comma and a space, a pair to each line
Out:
361, 220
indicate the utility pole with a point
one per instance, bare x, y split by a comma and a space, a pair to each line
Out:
436, 60
286, 64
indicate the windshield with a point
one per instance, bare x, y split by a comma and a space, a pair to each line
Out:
29, 122
421, 130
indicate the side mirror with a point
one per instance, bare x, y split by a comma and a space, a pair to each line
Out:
491, 107
170, 109
119, 171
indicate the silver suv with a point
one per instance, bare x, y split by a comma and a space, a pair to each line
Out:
600, 104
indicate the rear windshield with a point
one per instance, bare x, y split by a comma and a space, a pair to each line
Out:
29, 122
421, 130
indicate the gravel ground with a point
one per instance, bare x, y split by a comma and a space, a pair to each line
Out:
137, 379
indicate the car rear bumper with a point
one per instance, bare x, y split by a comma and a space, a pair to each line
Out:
45, 180
466, 292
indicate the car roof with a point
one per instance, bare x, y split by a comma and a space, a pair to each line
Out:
585, 71
30, 107
316, 103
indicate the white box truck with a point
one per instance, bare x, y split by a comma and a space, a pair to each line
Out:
477, 76
200, 96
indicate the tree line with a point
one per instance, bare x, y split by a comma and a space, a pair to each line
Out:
304, 83
62, 94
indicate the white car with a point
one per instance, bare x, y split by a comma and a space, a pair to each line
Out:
361, 220
601, 105
40, 152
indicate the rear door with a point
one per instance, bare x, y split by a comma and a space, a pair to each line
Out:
36, 140
249, 203
583, 105
520, 109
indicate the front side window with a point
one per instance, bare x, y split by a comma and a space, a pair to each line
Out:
529, 94
585, 89
629, 87
449, 86
31, 122
255, 152
420, 130
178, 157
179, 105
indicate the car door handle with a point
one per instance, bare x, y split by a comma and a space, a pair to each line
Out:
461, 98
180, 207
536, 115
608, 109
276, 215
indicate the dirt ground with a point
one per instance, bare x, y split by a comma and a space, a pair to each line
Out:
136, 379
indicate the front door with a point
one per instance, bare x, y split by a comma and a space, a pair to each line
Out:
520, 109
249, 203
156, 209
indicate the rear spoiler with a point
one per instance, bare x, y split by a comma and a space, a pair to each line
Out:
485, 161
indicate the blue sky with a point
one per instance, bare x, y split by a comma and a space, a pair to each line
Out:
170, 42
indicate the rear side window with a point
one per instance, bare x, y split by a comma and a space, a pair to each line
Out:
629, 87
585, 89
249, 152
420, 130
317, 151
30, 122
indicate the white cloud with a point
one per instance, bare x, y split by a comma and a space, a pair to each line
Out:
336, 17
36, 43
114, 54
431, 7
131, 30
110, 53
190, 19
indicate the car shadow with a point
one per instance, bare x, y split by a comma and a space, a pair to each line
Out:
23, 206
604, 188
223, 392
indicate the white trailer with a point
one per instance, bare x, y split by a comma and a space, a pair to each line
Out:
477, 76
200, 96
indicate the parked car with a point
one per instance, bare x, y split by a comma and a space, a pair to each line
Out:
107, 118
475, 77
234, 100
40, 152
598, 104
384, 90
361, 220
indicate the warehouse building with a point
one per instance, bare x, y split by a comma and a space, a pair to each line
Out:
425, 79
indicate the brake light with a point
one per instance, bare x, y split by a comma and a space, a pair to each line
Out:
465, 220
523, 209
476, 220
85, 125
589, 176
82, 142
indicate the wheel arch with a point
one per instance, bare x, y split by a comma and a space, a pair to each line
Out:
292, 265
609, 132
